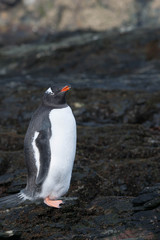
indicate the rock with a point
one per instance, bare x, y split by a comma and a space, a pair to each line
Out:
149, 198
67, 16
6, 178
11, 141
3, 165
11, 235
115, 97
94, 220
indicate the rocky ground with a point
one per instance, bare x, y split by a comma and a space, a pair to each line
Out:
115, 97
62, 15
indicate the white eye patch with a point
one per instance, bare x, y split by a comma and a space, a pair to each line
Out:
49, 91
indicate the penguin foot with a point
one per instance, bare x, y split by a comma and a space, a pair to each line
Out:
53, 203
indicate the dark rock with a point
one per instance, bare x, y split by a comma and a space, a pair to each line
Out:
144, 198
149, 197
6, 178
3, 165
11, 141
116, 102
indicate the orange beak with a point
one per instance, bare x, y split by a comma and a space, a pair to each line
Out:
66, 88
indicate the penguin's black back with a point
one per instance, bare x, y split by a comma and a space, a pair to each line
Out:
39, 123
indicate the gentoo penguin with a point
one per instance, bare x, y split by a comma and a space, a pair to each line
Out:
49, 149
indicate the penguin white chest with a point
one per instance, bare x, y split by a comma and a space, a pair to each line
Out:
63, 148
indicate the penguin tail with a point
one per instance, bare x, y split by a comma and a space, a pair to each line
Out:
11, 201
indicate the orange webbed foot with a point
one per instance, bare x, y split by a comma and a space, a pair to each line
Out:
53, 203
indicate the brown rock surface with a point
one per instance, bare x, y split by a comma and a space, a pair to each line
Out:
58, 15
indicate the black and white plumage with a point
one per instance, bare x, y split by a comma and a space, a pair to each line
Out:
49, 149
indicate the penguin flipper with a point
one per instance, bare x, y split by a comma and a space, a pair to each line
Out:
11, 201
43, 145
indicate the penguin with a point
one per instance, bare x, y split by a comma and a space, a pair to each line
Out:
49, 151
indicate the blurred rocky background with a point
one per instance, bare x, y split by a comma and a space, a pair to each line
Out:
109, 51
67, 15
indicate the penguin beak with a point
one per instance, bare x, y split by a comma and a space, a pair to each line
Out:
66, 88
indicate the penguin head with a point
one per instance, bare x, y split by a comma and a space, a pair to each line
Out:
55, 96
